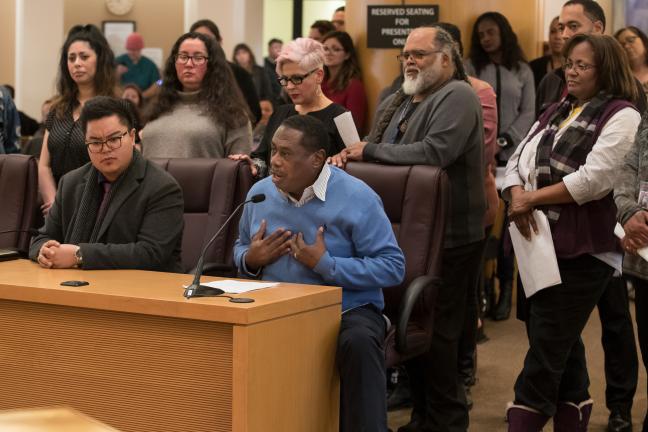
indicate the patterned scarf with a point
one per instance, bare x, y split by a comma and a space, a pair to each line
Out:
571, 150
87, 222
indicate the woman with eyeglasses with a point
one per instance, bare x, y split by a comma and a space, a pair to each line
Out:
200, 111
342, 81
300, 67
566, 167
635, 43
86, 69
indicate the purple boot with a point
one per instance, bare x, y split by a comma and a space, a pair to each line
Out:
524, 419
572, 417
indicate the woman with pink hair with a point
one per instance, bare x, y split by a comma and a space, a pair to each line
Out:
300, 70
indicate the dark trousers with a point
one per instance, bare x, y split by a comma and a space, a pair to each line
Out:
361, 362
437, 394
555, 368
621, 364
641, 315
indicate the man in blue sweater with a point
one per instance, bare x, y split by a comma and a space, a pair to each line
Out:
319, 225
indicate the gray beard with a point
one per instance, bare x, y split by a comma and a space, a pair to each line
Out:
417, 85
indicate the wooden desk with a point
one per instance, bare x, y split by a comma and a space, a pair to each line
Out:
129, 350
49, 420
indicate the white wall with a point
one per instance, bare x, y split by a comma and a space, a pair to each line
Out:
318, 10
39, 37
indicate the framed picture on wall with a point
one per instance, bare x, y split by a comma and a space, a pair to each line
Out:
116, 33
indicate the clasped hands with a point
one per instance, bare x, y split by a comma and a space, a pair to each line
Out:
265, 250
351, 153
56, 255
636, 232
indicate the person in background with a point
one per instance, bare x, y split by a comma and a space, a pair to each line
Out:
134, 68
199, 111
338, 19
28, 125
243, 79
635, 43
566, 168
319, 28
9, 123
553, 60
270, 66
34, 146
496, 57
267, 109
134, 94
342, 78
244, 57
300, 67
86, 69
119, 211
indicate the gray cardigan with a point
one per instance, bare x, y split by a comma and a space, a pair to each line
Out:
626, 192
445, 130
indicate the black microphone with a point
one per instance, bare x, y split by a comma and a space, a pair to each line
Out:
197, 290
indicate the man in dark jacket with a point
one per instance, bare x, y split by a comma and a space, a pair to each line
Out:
119, 211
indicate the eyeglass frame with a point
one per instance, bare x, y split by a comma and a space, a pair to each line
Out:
578, 67
205, 59
292, 79
105, 143
415, 54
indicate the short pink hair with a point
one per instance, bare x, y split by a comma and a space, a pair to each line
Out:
306, 52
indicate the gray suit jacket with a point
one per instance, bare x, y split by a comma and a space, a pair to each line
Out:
143, 225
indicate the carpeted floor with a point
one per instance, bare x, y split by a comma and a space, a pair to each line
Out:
500, 360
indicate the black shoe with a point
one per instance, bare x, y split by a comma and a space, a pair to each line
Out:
619, 422
503, 309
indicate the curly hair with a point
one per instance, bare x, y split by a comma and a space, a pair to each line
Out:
219, 93
350, 67
104, 80
511, 51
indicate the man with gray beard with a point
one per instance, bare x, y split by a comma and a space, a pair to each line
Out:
436, 119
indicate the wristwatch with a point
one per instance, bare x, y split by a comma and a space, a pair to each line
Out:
79, 257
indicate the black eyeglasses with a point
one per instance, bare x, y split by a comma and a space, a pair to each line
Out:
197, 59
295, 79
415, 54
113, 143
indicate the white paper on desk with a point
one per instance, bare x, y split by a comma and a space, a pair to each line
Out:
238, 287
536, 258
347, 128
620, 232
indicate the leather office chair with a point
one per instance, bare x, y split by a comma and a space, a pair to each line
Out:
212, 188
19, 192
416, 201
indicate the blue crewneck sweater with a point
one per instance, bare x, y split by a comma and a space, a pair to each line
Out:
362, 253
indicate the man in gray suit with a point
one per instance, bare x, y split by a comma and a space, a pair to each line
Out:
119, 211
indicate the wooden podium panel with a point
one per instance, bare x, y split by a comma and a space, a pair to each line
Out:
168, 364
49, 420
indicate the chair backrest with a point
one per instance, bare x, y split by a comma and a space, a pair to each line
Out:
212, 188
416, 202
19, 206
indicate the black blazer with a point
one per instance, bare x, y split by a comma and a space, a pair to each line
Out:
143, 225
